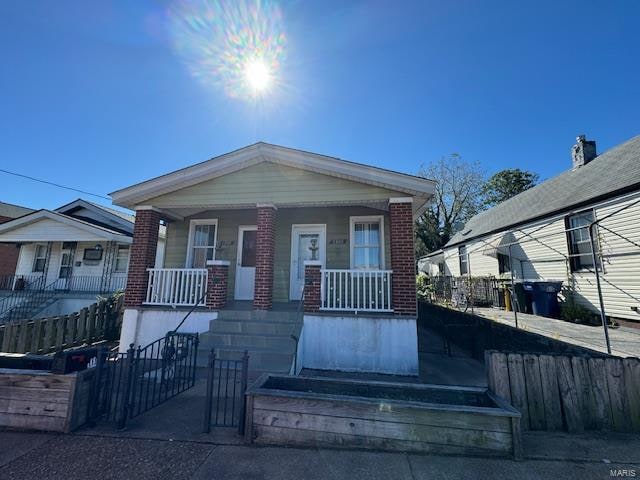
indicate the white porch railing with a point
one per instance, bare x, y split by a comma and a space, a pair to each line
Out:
176, 286
356, 290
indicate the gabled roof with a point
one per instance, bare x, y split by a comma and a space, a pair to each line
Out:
261, 152
110, 215
610, 174
10, 210
91, 230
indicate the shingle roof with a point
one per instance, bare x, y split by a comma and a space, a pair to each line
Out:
616, 170
125, 216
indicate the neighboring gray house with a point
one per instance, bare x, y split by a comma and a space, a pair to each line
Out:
547, 229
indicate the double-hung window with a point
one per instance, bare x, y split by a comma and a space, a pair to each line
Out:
578, 240
122, 258
464, 260
367, 243
40, 258
202, 242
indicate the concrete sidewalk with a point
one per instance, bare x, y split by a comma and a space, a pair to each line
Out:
71, 457
625, 341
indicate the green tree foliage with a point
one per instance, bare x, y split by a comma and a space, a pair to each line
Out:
506, 184
457, 198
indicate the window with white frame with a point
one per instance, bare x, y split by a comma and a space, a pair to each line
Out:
464, 260
202, 242
367, 242
122, 258
40, 258
578, 240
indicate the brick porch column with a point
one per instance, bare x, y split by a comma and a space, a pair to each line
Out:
312, 285
265, 248
142, 256
217, 277
403, 285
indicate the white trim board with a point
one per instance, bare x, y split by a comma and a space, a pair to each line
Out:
192, 225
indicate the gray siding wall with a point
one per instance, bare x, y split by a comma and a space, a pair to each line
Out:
336, 220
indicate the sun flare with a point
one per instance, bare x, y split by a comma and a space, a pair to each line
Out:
238, 46
257, 75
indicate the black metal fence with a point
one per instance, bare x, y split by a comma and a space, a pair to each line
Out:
226, 385
129, 384
463, 292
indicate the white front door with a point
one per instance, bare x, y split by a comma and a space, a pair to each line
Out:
246, 264
308, 242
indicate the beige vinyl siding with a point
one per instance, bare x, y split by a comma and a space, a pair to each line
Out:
542, 253
269, 182
620, 280
336, 220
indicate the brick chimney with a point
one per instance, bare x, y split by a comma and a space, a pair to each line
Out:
583, 151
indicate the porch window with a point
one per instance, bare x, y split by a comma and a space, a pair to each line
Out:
367, 243
578, 240
202, 242
122, 258
40, 258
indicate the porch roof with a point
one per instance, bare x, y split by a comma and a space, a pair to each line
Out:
168, 192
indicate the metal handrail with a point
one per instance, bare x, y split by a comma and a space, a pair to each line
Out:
200, 301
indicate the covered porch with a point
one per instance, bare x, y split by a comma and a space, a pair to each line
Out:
349, 258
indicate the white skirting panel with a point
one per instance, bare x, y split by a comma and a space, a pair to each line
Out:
360, 344
141, 327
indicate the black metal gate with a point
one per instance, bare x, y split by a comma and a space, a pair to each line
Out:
226, 385
129, 384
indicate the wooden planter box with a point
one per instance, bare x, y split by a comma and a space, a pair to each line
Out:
287, 410
39, 400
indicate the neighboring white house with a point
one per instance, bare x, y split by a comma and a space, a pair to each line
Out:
543, 233
73, 252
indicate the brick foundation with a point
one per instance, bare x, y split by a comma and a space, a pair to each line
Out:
312, 283
217, 278
142, 256
403, 287
265, 248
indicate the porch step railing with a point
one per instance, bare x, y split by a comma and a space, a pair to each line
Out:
356, 290
176, 286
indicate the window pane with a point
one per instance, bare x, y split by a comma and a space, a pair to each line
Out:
39, 265
374, 257
201, 235
199, 258
358, 237
374, 234
359, 257
249, 248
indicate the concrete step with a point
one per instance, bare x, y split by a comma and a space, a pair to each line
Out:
259, 360
253, 327
259, 315
242, 340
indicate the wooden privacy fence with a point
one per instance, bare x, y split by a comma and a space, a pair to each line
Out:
573, 393
100, 321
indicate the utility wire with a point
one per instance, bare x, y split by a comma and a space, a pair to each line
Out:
54, 184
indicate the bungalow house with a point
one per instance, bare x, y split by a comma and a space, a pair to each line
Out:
258, 234
543, 233
9, 253
65, 257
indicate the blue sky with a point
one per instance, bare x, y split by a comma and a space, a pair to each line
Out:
95, 95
